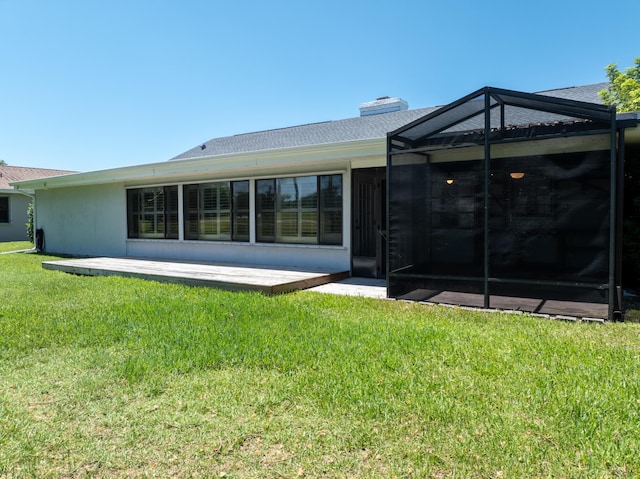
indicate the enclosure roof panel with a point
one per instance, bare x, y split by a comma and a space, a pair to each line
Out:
506, 108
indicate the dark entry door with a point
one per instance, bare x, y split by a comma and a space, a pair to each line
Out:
369, 223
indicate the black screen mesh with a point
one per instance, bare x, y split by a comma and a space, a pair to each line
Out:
548, 226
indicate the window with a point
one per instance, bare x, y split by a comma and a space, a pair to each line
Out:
266, 210
297, 210
240, 210
306, 209
331, 209
217, 211
153, 212
4, 209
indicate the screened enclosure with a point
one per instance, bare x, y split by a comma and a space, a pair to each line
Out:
506, 200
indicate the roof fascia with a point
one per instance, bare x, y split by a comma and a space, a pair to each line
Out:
626, 120
184, 167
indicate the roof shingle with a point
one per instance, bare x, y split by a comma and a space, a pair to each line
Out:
9, 174
350, 129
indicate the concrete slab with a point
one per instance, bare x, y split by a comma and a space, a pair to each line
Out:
497, 302
365, 287
571, 308
540, 307
234, 277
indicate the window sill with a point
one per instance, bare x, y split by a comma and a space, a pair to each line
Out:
238, 244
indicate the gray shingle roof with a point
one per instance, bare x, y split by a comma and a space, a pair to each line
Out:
588, 93
350, 129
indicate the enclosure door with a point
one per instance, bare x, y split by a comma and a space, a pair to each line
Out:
369, 223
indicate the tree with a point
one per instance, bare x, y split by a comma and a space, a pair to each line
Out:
624, 91
3, 163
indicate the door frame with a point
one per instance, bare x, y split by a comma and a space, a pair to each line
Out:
371, 216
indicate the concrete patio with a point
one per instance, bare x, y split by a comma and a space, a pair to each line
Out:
233, 277
275, 280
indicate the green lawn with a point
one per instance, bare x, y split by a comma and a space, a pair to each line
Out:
113, 377
15, 246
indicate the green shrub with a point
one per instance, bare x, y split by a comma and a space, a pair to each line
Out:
29, 223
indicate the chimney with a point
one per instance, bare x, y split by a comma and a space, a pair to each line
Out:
382, 105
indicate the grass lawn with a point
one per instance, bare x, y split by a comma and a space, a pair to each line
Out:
15, 246
113, 377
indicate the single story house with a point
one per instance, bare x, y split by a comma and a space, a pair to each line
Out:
500, 192
14, 203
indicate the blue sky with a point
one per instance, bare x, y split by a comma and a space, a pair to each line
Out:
88, 85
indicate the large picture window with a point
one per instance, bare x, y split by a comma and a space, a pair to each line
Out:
305, 209
217, 211
4, 209
153, 212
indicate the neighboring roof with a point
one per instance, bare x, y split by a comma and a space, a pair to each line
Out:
351, 129
10, 174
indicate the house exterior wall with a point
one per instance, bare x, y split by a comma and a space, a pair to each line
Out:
15, 229
86, 214
303, 256
89, 220
92, 221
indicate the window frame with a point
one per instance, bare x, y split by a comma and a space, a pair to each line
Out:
195, 217
270, 211
5, 212
161, 215
330, 215
315, 210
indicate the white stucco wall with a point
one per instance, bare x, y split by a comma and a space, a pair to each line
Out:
16, 229
303, 256
86, 220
